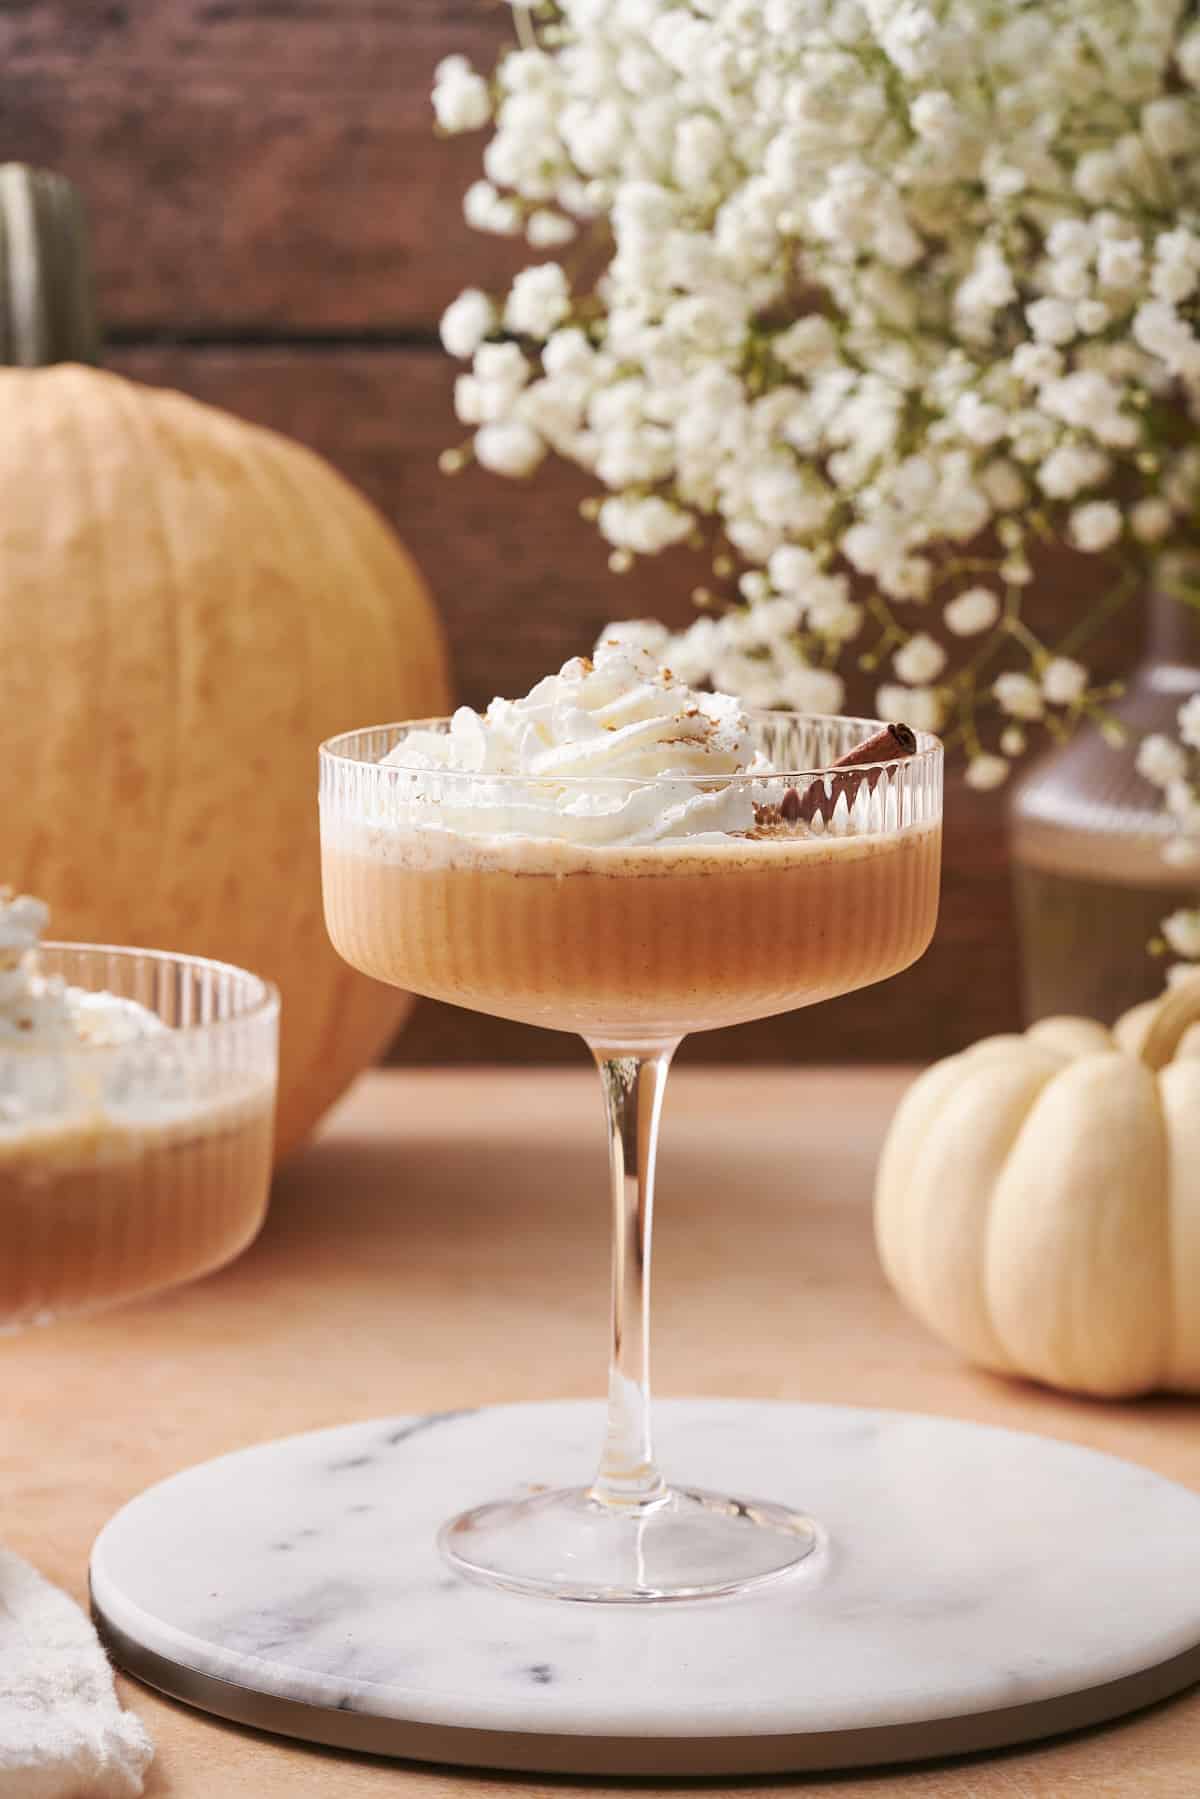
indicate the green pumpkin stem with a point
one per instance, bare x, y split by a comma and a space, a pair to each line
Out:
47, 299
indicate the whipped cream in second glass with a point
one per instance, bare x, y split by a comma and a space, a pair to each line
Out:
611, 751
46, 1084
41, 1012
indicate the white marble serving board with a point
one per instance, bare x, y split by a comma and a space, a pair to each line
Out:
975, 1587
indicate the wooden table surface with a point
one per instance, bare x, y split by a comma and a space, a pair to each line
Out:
443, 1242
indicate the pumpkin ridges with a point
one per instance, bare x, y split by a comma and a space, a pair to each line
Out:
1178, 1008
1092, 1269
362, 1017
142, 421
292, 524
1179, 1093
191, 813
1076, 1252
209, 866
1130, 1030
1002, 1045
42, 751
916, 1114
353, 1013
147, 596
1071, 1037
347, 1017
956, 1170
893, 1182
28, 763
82, 815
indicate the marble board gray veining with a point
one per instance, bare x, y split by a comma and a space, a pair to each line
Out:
976, 1586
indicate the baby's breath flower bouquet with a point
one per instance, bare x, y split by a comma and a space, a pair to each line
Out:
877, 299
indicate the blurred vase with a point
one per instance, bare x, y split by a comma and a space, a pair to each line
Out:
1087, 836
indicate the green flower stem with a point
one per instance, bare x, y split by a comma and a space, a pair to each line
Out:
1107, 607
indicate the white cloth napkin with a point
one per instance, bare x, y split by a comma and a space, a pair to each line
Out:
62, 1733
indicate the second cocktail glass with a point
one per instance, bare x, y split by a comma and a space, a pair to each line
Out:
439, 882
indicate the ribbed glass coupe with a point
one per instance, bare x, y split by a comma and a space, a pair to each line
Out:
437, 881
126, 1167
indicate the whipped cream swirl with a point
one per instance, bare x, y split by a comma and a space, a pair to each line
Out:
41, 1012
612, 750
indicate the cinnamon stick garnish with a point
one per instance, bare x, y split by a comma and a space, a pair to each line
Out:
888, 745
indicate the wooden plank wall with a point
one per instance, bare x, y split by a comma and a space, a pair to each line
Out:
277, 231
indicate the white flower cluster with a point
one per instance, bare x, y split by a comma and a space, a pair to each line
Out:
893, 292
1174, 767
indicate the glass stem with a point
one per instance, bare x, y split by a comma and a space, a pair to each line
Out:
628, 1480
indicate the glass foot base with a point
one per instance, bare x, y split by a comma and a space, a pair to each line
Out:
688, 1545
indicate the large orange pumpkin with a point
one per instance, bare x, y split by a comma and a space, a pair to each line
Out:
188, 604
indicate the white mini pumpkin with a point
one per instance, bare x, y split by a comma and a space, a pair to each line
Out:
1038, 1201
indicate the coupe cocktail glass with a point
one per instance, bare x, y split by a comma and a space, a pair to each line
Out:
435, 882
